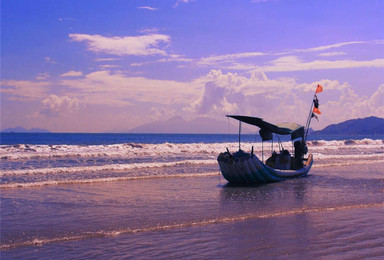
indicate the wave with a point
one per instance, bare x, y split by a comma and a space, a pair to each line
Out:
27, 152
111, 167
39, 241
108, 179
139, 176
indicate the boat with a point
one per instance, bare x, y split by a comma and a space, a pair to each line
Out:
246, 168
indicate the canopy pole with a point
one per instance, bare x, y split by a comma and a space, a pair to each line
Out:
239, 134
262, 151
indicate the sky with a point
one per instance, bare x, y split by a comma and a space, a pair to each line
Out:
112, 65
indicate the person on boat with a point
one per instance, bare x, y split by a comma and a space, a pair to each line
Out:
300, 150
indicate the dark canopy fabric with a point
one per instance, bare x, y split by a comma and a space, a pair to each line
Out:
266, 129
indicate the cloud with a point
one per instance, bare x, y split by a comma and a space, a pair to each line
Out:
282, 100
43, 76
350, 106
66, 19
128, 45
107, 59
147, 8
49, 60
330, 46
182, 1
231, 60
72, 73
329, 54
232, 93
53, 106
24, 90
118, 90
294, 63
212, 60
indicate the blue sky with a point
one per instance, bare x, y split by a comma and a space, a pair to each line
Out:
100, 66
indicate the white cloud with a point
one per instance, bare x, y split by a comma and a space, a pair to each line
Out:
128, 45
231, 60
350, 106
72, 73
43, 76
147, 8
293, 63
53, 106
182, 1
24, 90
282, 100
212, 60
49, 60
331, 46
117, 90
329, 54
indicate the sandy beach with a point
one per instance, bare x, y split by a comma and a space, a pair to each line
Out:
334, 212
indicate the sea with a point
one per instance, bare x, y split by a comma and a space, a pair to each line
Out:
162, 196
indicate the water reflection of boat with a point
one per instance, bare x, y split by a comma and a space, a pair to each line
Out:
246, 168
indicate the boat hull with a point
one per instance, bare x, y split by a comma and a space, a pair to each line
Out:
250, 170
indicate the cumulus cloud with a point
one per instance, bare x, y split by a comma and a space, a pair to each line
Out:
54, 106
72, 73
232, 93
283, 99
350, 105
128, 45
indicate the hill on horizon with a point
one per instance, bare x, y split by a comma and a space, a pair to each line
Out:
177, 124
20, 129
361, 126
202, 125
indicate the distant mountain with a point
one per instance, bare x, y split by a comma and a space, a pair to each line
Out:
20, 129
177, 124
362, 126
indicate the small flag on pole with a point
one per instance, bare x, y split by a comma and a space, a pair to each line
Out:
319, 88
316, 110
315, 116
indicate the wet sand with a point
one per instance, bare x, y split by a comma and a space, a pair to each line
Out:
334, 212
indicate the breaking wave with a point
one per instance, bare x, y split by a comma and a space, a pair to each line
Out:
38, 165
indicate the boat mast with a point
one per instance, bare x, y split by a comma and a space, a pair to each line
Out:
309, 116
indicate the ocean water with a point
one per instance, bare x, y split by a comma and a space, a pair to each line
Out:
134, 196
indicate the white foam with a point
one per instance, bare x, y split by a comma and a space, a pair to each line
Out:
98, 180
110, 167
133, 150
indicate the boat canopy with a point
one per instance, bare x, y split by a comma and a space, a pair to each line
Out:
267, 129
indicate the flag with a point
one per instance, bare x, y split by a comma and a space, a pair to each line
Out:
315, 116
319, 89
316, 110
316, 102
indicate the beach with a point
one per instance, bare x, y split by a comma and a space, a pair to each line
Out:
169, 200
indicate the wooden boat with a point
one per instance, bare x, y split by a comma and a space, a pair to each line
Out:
247, 168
